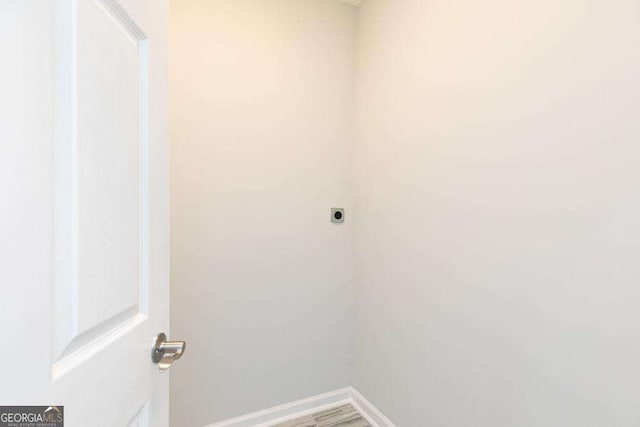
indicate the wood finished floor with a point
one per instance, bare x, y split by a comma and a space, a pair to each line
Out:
341, 416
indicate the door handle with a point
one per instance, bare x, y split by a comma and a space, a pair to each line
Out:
164, 352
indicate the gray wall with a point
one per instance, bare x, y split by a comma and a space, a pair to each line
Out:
262, 114
497, 226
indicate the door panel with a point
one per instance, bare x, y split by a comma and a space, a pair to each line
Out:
111, 155
102, 194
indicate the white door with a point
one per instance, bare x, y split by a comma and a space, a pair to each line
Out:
84, 208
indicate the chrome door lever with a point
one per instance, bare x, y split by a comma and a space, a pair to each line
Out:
164, 352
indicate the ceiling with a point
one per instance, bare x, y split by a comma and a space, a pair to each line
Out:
355, 3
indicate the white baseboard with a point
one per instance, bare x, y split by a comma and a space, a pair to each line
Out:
300, 408
370, 412
287, 411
